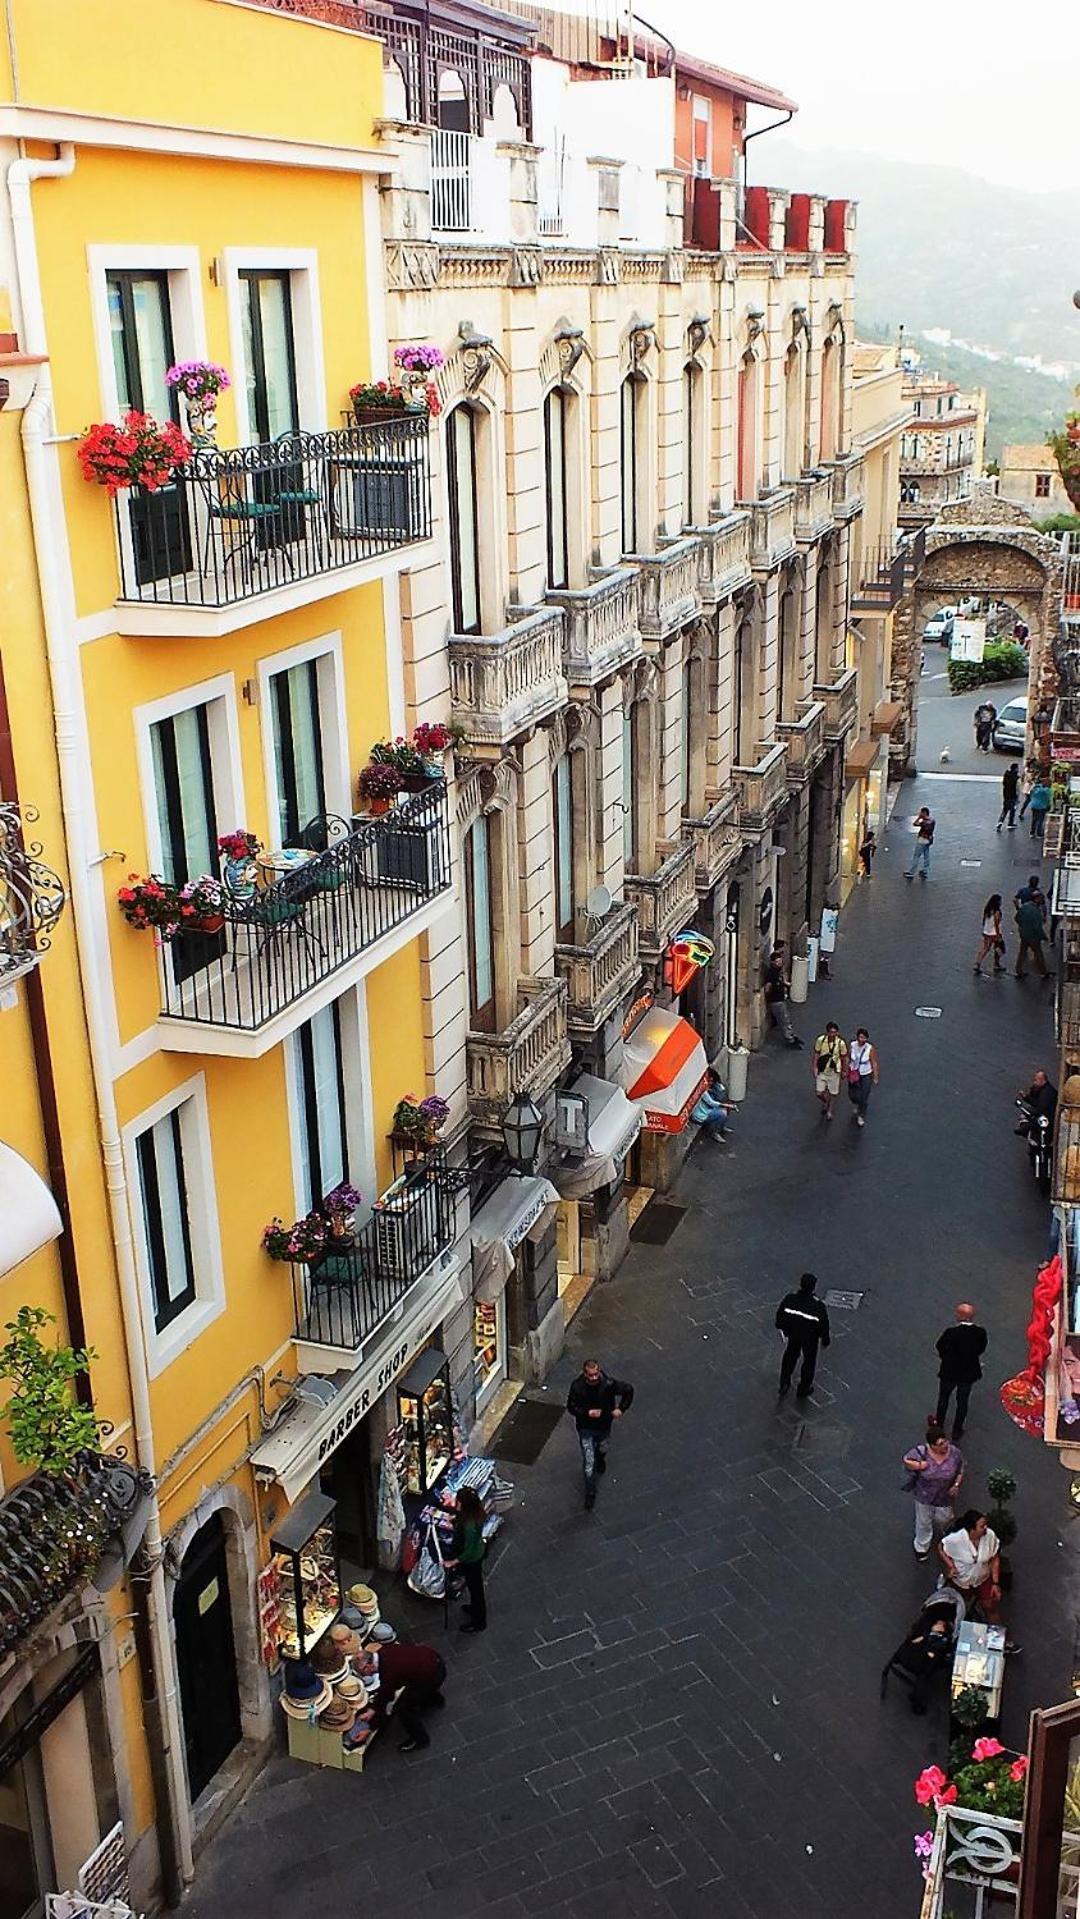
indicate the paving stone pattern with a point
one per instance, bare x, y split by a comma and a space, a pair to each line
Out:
675, 1710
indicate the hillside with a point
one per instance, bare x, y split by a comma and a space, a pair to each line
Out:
1023, 405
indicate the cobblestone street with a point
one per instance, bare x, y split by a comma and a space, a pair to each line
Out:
675, 1710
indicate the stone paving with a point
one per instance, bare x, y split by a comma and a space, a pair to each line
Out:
675, 1710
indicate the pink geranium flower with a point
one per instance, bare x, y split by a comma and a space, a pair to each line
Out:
986, 1748
1018, 1768
929, 1784
946, 1798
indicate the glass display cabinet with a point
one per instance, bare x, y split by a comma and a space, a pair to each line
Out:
305, 1560
424, 1410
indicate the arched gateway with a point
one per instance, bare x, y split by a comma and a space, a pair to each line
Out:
984, 548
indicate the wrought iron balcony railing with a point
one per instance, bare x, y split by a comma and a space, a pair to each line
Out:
242, 521
884, 575
287, 938
32, 897
54, 1530
341, 1298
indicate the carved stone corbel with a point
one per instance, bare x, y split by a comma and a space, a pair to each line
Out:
642, 341
697, 333
476, 356
569, 345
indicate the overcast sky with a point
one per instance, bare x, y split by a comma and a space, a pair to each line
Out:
988, 86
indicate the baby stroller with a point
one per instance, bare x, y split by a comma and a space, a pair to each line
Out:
927, 1649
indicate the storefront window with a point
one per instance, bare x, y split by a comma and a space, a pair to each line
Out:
489, 1347
425, 1411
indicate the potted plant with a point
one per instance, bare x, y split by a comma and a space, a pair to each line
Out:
201, 904
406, 760
375, 400
379, 784
339, 1205
297, 1244
238, 850
417, 1122
1001, 1485
139, 453
200, 382
48, 1426
416, 364
150, 903
433, 739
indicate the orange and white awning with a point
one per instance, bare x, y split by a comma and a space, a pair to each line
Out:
664, 1069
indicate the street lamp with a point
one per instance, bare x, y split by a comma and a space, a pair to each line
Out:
523, 1123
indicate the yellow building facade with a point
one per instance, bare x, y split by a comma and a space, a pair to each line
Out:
181, 664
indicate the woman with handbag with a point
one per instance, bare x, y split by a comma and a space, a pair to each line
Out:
467, 1549
993, 939
862, 1073
936, 1474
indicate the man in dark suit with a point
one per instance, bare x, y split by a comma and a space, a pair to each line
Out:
959, 1349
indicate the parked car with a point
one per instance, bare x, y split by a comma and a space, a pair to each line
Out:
939, 628
1010, 727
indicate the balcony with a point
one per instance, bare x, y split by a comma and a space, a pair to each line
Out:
527, 1057
841, 702
242, 989
665, 900
503, 685
884, 577
772, 529
601, 632
54, 1530
813, 506
343, 1298
669, 595
762, 788
32, 896
805, 741
251, 530
723, 558
601, 972
717, 841
847, 484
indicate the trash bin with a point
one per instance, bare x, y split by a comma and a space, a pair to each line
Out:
737, 1066
800, 979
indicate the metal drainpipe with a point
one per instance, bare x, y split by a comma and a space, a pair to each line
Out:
756, 135
49, 532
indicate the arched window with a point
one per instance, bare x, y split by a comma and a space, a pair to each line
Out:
479, 862
824, 623
464, 521
749, 469
693, 736
830, 400
631, 459
637, 849
794, 408
693, 442
787, 671
556, 481
744, 727
562, 819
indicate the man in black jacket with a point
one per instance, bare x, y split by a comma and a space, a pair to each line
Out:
959, 1349
595, 1400
804, 1322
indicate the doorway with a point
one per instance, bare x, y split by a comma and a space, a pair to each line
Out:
206, 1656
140, 328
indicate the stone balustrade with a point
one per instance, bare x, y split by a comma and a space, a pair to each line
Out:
716, 840
723, 558
805, 740
601, 631
601, 971
772, 529
526, 1057
814, 506
666, 899
762, 788
841, 703
847, 484
502, 683
669, 594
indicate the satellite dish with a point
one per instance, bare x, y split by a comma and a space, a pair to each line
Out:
599, 903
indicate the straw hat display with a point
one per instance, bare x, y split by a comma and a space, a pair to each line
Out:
339, 1715
306, 1692
354, 1690
345, 1640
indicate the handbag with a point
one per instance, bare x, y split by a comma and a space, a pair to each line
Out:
910, 1479
428, 1576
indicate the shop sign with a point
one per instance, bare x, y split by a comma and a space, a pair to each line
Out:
686, 955
637, 1012
676, 1122
523, 1226
968, 641
362, 1398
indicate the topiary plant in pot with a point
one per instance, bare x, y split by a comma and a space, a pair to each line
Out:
1001, 1485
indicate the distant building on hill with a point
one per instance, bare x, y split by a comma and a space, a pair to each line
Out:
1029, 477
942, 450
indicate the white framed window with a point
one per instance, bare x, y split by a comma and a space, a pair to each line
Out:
188, 747
305, 744
632, 401
464, 515
329, 1098
276, 339
174, 1222
556, 488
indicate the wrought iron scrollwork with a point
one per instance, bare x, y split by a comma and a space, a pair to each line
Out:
32, 896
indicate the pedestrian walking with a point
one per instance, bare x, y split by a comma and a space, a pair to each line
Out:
1010, 792
804, 1322
714, 1109
828, 1063
1030, 932
1032, 891
960, 1350
863, 1073
985, 716
924, 826
467, 1550
866, 854
937, 1473
594, 1400
777, 993
1039, 802
993, 939
410, 1679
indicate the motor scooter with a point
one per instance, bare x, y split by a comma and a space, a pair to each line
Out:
1038, 1131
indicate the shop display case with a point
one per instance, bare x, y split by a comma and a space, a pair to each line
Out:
308, 1578
424, 1409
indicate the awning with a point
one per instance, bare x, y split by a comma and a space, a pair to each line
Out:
885, 716
519, 1206
860, 759
664, 1069
614, 1124
28, 1213
314, 1428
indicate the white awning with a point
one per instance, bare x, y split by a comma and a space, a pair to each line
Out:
29, 1217
614, 1124
310, 1432
519, 1206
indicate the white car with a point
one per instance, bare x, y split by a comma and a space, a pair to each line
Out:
1010, 727
939, 628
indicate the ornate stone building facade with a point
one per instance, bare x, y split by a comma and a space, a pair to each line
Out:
637, 612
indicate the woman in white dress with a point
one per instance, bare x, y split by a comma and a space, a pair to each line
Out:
993, 939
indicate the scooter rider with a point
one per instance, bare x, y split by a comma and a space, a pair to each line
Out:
1039, 1101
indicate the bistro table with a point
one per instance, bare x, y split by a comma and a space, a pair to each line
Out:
287, 859
979, 1661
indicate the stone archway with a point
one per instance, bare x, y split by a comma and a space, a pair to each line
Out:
984, 547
